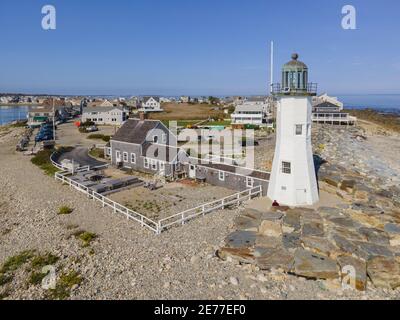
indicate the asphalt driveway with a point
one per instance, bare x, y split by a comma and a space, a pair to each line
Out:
81, 156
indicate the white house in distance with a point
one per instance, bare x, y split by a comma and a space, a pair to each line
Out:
251, 112
329, 110
104, 115
150, 104
248, 113
293, 179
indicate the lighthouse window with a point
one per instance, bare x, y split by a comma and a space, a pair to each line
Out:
286, 167
299, 129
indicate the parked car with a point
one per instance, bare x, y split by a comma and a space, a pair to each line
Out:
92, 129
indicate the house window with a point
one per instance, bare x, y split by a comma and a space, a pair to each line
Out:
286, 167
155, 139
299, 129
249, 182
221, 175
133, 158
154, 164
108, 151
146, 163
162, 166
125, 157
164, 138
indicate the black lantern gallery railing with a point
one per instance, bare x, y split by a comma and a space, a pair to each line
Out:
310, 90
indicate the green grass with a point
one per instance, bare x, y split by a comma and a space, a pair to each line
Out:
36, 277
98, 136
42, 160
46, 259
65, 210
219, 123
97, 153
13, 263
4, 279
85, 236
64, 285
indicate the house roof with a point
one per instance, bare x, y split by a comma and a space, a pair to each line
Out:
238, 170
160, 152
101, 109
135, 131
145, 99
249, 108
325, 105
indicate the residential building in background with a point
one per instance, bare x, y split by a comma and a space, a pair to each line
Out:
104, 115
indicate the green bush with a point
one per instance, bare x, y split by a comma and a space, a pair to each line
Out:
98, 136
13, 263
85, 236
65, 210
42, 160
44, 260
64, 285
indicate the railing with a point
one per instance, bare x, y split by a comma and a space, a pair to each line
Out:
176, 219
183, 217
309, 89
117, 208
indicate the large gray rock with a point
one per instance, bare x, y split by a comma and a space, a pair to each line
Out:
359, 278
375, 236
268, 242
320, 245
276, 259
243, 255
292, 220
314, 266
392, 229
241, 239
374, 250
350, 247
291, 241
384, 272
312, 229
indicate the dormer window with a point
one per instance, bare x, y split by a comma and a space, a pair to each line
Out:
155, 139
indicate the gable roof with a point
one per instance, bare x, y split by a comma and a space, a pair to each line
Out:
135, 131
101, 109
145, 99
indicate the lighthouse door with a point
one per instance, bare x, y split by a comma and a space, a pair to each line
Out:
301, 196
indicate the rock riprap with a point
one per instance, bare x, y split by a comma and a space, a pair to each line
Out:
326, 243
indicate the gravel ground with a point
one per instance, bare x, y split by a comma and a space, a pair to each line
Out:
126, 261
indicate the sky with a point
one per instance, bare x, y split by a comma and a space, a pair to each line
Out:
196, 47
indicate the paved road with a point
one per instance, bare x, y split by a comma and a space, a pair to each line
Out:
80, 155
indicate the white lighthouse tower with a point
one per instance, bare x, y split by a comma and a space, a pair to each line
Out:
293, 179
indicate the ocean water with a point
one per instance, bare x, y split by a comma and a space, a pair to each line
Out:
11, 113
379, 102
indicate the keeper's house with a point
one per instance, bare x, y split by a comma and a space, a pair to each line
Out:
146, 146
149, 146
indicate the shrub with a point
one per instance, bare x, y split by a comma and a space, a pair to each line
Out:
64, 285
44, 260
13, 263
86, 237
98, 136
5, 279
36, 277
42, 160
65, 210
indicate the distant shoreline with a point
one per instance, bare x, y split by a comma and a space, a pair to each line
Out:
19, 104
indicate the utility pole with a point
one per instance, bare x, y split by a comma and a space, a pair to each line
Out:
272, 67
54, 123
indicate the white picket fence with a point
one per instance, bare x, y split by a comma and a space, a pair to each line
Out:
163, 224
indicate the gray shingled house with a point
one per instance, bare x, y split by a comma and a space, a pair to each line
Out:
149, 146
146, 146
